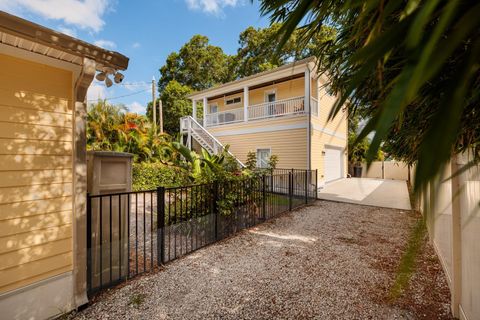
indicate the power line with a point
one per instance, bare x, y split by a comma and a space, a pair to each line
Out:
122, 96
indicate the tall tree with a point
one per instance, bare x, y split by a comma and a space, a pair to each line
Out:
175, 105
258, 49
411, 67
198, 65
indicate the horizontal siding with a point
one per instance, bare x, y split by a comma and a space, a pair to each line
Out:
261, 124
289, 145
30, 254
36, 132
319, 141
37, 222
21, 99
35, 271
39, 117
36, 190
34, 177
23, 146
34, 162
34, 207
326, 103
41, 236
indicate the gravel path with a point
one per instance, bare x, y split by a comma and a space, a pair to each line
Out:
329, 260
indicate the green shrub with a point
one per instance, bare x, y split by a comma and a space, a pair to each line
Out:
148, 176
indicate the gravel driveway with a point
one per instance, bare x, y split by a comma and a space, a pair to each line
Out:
327, 261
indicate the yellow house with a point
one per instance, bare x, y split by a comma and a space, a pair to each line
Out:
282, 112
44, 77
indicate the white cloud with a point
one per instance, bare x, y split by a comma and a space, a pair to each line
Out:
69, 31
85, 14
106, 44
136, 107
135, 45
211, 6
96, 91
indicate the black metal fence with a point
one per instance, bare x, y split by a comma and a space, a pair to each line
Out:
131, 233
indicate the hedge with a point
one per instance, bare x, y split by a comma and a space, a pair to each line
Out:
148, 176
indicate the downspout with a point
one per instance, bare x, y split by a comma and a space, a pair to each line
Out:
80, 182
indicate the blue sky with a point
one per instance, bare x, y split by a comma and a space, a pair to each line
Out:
145, 31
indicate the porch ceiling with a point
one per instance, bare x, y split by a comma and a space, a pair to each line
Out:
283, 73
258, 86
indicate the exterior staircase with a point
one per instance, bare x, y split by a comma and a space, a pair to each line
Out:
192, 128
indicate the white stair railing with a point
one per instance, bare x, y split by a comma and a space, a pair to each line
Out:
191, 126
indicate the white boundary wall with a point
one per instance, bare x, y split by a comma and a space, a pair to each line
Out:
396, 170
452, 208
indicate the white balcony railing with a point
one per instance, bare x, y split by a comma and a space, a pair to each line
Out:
276, 108
262, 111
224, 117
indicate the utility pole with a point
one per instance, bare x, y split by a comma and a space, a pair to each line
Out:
154, 107
160, 114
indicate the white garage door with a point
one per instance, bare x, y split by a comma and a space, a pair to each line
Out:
333, 164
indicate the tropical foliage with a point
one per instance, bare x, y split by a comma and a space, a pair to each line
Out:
150, 175
112, 128
410, 67
175, 105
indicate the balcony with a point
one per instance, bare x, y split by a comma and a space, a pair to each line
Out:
266, 110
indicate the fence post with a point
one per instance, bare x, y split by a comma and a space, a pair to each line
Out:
264, 199
215, 207
290, 191
89, 244
160, 225
316, 183
306, 186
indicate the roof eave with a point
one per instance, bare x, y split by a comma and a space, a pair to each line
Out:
235, 83
34, 32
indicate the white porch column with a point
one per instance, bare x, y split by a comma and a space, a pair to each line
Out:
307, 100
194, 109
307, 90
205, 102
245, 104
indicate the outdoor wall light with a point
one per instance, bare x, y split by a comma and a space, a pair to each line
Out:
101, 76
118, 77
108, 82
105, 72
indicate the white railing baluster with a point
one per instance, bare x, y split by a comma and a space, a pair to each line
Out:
205, 138
276, 108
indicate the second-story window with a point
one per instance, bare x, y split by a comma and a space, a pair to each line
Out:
233, 100
271, 97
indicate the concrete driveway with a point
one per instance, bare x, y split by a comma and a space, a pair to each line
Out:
372, 192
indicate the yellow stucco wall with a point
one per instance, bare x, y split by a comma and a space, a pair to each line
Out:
36, 121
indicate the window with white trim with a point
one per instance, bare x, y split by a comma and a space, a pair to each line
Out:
263, 156
270, 96
233, 100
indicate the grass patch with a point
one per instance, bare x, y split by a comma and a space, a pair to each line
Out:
277, 199
136, 300
408, 261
